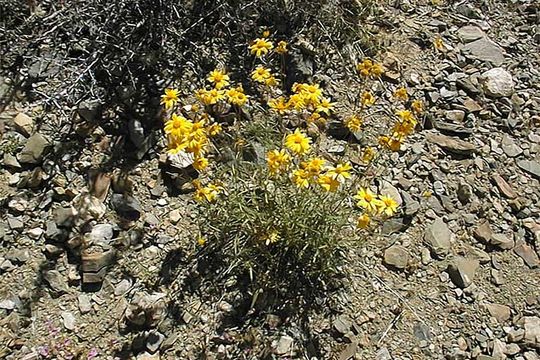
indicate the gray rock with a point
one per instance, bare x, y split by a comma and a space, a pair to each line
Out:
284, 345
528, 255
14, 223
11, 161
500, 312
455, 115
483, 232
470, 33
452, 145
497, 82
462, 271
383, 354
85, 306
154, 341
89, 110
438, 237
501, 241
532, 167
136, 132
102, 234
509, 147
485, 50
396, 256
33, 150
18, 256
24, 124
68, 320
504, 187
126, 206
342, 324
56, 281
531, 324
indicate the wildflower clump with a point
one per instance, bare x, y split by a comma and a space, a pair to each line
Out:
291, 213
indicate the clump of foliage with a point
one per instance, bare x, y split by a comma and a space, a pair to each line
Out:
284, 221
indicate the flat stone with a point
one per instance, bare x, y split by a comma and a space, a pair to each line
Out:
396, 256
174, 216
483, 232
342, 324
24, 124
33, 150
102, 234
531, 167
455, 115
500, 312
453, 145
528, 255
85, 306
437, 237
485, 50
531, 324
497, 82
501, 241
11, 161
68, 320
471, 105
504, 187
94, 262
462, 271
470, 33
284, 345
126, 206
56, 281
509, 147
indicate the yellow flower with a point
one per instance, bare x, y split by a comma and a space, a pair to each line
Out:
312, 93
438, 43
219, 78
341, 172
209, 97
201, 241
200, 163
401, 94
197, 146
367, 200
417, 107
261, 46
236, 96
208, 193
296, 102
266, 33
387, 205
325, 106
272, 238
301, 178
367, 98
177, 126
170, 98
281, 47
279, 105
363, 221
391, 142
354, 123
364, 67
298, 88
298, 142
368, 154
277, 161
328, 183
214, 129
377, 70
405, 115
174, 146
313, 166
261, 74
271, 81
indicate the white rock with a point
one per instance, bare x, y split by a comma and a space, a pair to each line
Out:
498, 82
